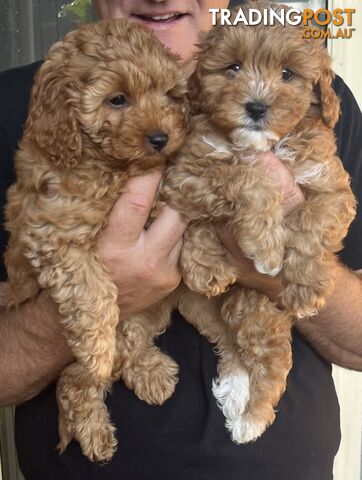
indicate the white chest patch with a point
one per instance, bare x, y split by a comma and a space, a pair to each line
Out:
309, 173
306, 172
283, 152
259, 140
215, 145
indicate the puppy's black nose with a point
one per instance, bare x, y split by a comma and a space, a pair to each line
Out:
256, 110
158, 140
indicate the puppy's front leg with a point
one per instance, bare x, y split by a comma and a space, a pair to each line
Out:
257, 222
203, 260
87, 302
315, 230
242, 196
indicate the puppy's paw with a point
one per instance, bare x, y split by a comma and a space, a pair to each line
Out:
98, 444
210, 281
271, 265
154, 382
232, 394
92, 429
246, 428
65, 433
233, 398
302, 301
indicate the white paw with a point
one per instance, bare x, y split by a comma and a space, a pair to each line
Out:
261, 268
245, 428
232, 394
305, 313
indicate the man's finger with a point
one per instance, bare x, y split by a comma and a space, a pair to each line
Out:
292, 194
131, 211
174, 254
227, 239
166, 231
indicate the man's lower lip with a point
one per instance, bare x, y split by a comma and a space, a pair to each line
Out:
149, 21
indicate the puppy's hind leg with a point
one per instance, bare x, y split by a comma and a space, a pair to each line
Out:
262, 340
201, 312
83, 415
231, 388
150, 373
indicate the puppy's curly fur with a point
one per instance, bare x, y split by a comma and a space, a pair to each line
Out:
215, 177
98, 102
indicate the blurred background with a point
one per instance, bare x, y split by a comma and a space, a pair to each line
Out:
29, 27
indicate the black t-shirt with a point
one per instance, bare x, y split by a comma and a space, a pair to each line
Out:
185, 439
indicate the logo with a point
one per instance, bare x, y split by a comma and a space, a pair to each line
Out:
318, 24
323, 18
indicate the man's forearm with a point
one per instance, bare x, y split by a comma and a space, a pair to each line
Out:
33, 350
336, 332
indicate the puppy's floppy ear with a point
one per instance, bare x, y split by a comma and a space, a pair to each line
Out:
328, 100
52, 122
194, 92
206, 42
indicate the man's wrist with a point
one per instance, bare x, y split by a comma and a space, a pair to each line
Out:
33, 350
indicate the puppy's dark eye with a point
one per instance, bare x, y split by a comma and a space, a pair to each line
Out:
118, 101
175, 98
234, 67
286, 74
232, 70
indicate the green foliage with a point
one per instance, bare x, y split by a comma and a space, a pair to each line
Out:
78, 11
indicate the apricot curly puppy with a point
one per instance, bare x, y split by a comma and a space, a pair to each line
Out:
107, 104
255, 89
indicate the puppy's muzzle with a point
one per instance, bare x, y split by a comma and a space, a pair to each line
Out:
256, 110
157, 140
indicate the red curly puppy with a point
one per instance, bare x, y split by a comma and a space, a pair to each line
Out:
108, 103
255, 89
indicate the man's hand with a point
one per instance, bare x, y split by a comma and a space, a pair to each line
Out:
142, 263
292, 194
